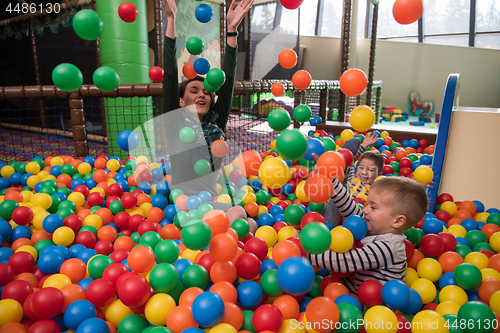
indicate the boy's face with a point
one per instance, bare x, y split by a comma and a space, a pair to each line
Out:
379, 215
367, 171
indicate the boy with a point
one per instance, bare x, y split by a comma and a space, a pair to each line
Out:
394, 205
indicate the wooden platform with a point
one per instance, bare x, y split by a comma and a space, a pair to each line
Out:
397, 133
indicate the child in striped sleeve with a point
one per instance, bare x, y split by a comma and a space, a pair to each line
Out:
394, 205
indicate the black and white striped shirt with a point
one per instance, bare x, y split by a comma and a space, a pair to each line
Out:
382, 257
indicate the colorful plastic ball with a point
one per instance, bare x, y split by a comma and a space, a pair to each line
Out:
426, 290
415, 303
432, 245
203, 13
287, 58
267, 317
396, 294
196, 236
429, 321
356, 225
301, 79
133, 290
476, 315
315, 146
291, 4
77, 312
188, 70
279, 119
378, 314
250, 294
216, 77
127, 140
106, 78
273, 173
12, 312
207, 309
92, 325
467, 276
277, 89
156, 74
423, 174
342, 239
158, 308
201, 66
315, 238
407, 11
88, 24
291, 144
352, 83
47, 302
194, 45
50, 262
128, 12
295, 276
133, 323
370, 292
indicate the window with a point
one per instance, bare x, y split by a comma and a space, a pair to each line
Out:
332, 18
263, 18
488, 16
308, 11
387, 25
446, 17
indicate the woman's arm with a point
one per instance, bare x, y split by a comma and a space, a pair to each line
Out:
170, 76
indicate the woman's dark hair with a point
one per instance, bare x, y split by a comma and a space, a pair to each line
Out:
183, 85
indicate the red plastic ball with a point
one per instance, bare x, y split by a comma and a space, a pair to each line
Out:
135, 221
115, 190
409, 248
119, 255
348, 157
100, 292
278, 225
133, 290
405, 162
95, 199
432, 245
267, 317
206, 261
327, 280
257, 246
449, 241
443, 197
248, 266
146, 226
45, 326
21, 262
291, 4
370, 293
47, 302
17, 290
296, 240
82, 189
156, 74
114, 271
111, 199
104, 247
86, 238
128, 12
423, 143
121, 220
387, 169
405, 172
128, 200
22, 215
442, 215
310, 218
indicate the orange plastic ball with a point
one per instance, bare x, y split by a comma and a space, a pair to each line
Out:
226, 291
252, 208
75, 269
332, 165
334, 290
353, 82
488, 229
318, 188
188, 295
105, 214
469, 206
287, 58
283, 250
288, 306
100, 163
248, 163
141, 259
180, 318
155, 214
71, 293
188, 71
319, 309
181, 200
217, 220
223, 247
232, 315
277, 89
123, 242
301, 79
219, 148
449, 261
107, 232
407, 11
415, 259
223, 271
487, 288
494, 262
170, 231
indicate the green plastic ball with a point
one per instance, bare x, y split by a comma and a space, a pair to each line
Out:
47, 189
56, 201
269, 283
167, 251
68, 204
202, 167
136, 237
477, 315
195, 276
395, 166
68, 169
262, 196
474, 237
291, 144
106, 78
216, 77
350, 319
88, 228
7, 207
132, 323
241, 226
279, 119
175, 193
194, 45
203, 209
292, 197
493, 218
482, 246
315, 290
42, 243
116, 207
328, 143
181, 219
302, 113
467, 276
463, 250
163, 277
293, 214
88, 24
97, 265
64, 212
413, 157
151, 238
315, 238
67, 77
318, 208
187, 134
196, 236
412, 235
248, 321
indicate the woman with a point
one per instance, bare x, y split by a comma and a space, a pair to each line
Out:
191, 106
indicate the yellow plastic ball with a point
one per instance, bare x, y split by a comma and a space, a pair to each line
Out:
346, 135
426, 289
273, 144
249, 197
268, 234
64, 235
450, 207
136, 211
482, 217
287, 232
447, 307
98, 189
423, 174
457, 230
490, 273
219, 188
274, 200
234, 163
113, 165
84, 168
7, 170
26, 195
189, 254
262, 209
56, 161
494, 302
223, 328
116, 311
11, 310
38, 219
379, 319
42, 174
33, 168
110, 181
33, 180
429, 268
224, 198
384, 134
153, 165
478, 259
141, 159
411, 276
77, 197
453, 294
274, 173
227, 170
146, 206
42, 200
93, 220
361, 118
342, 239
300, 193
429, 321
158, 308
495, 242
57, 281
253, 178
48, 177
30, 249
290, 326
247, 188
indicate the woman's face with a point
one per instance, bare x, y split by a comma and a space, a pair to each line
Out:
196, 95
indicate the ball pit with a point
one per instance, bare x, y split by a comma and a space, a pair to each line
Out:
112, 248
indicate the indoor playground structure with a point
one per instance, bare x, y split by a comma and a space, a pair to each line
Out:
96, 237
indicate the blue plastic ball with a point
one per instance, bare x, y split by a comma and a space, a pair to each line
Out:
305, 302
193, 202
275, 210
201, 66
426, 159
472, 294
205, 196
203, 13
447, 279
415, 165
76, 249
77, 312
84, 283
159, 201
379, 143
250, 294
462, 241
166, 168
63, 250
313, 122
170, 211
127, 140
432, 226
86, 254
5, 229
52, 222
414, 143
256, 185
479, 205
265, 219
396, 294
295, 276
89, 160
243, 182
163, 188
157, 174
91, 183
93, 325
287, 189
75, 183
14, 179
348, 299
267, 265
207, 309
405, 143
21, 231
5, 253
493, 211
279, 218
181, 266
469, 224
314, 146
55, 170
50, 262
356, 225
415, 303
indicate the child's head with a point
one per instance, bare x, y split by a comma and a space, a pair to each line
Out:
394, 205
370, 166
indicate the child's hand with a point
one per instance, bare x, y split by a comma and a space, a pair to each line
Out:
429, 185
170, 7
369, 140
236, 14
